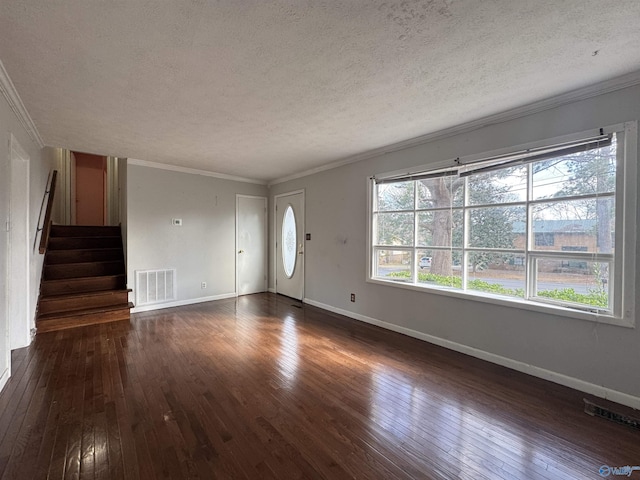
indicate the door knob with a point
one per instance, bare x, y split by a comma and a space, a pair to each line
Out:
240, 251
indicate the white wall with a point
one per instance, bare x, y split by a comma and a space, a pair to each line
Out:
203, 248
598, 358
41, 161
5, 125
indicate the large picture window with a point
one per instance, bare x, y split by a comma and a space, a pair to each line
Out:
541, 226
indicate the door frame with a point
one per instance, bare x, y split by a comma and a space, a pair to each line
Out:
275, 238
112, 215
265, 236
18, 281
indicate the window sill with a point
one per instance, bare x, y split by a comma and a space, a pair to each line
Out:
512, 303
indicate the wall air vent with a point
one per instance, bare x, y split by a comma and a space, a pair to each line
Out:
155, 286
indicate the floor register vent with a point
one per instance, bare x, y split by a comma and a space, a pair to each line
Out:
155, 286
603, 412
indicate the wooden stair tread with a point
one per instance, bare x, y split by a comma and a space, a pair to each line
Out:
77, 243
83, 270
84, 312
82, 279
65, 286
79, 250
86, 236
84, 230
84, 318
83, 255
100, 262
110, 237
96, 293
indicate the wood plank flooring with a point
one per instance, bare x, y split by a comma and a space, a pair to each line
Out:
263, 387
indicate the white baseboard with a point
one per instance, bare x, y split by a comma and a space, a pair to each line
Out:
559, 378
4, 378
272, 290
181, 303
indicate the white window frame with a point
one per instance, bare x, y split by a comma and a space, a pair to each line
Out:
623, 277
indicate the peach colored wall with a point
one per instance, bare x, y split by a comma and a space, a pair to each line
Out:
90, 189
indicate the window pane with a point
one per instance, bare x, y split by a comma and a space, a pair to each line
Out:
440, 192
499, 186
496, 273
395, 196
440, 268
440, 228
393, 265
497, 227
289, 242
395, 229
575, 225
573, 281
584, 173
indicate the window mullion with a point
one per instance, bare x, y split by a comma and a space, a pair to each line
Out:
530, 276
414, 269
466, 218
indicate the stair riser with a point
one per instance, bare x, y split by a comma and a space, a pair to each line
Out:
83, 320
83, 231
57, 257
60, 287
55, 272
77, 303
62, 243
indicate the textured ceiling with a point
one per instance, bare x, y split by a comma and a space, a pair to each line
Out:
265, 89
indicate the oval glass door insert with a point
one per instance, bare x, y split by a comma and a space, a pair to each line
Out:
289, 241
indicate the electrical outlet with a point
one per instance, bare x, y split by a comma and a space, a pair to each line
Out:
353, 297
203, 285
176, 222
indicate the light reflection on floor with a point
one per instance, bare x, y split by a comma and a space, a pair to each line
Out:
288, 359
418, 421
422, 423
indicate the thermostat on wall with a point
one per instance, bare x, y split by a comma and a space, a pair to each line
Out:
176, 221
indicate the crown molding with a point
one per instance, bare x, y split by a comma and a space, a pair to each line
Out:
15, 102
192, 171
601, 88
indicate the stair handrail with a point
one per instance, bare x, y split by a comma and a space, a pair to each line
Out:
46, 225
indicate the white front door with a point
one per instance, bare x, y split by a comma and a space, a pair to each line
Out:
290, 245
251, 244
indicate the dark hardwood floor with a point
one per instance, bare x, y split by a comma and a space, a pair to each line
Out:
256, 387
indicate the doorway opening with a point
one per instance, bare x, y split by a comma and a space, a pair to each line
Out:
88, 191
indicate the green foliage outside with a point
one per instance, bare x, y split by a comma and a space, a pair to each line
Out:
447, 281
456, 282
595, 297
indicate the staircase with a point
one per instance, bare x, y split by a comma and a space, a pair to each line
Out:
83, 278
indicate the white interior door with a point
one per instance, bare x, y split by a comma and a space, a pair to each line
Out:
18, 279
289, 234
251, 245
